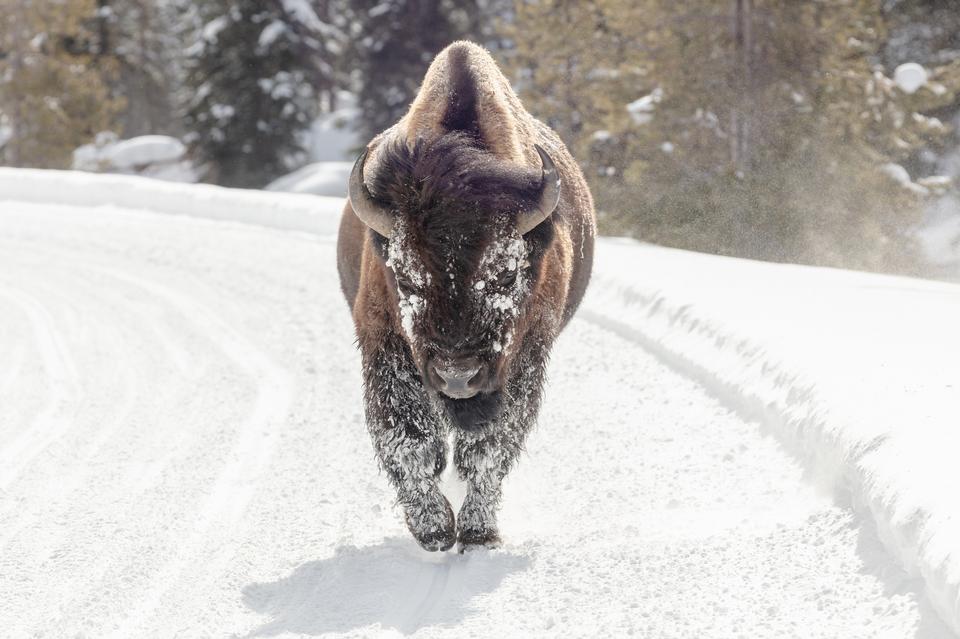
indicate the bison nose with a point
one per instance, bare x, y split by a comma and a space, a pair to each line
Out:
458, 379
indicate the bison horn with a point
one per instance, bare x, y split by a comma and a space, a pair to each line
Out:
370, 212
549, 196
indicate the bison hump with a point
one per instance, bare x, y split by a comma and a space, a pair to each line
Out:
464, 90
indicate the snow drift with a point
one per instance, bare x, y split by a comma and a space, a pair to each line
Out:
294, 212
856, 374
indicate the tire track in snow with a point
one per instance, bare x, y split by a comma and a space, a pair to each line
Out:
122, 401
12, 365
166, 499
432, 587
233, 487
62, 382
870, 547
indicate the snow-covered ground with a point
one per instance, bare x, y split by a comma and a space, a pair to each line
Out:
727, 448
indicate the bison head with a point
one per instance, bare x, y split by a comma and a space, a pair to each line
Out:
461, 235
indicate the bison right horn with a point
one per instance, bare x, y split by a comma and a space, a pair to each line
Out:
549, 196
371, 212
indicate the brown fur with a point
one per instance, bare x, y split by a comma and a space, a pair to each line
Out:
463, 156
504, 126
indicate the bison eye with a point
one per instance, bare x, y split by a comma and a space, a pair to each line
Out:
405, 286
507, 278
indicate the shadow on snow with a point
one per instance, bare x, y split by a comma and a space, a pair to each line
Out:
394, 584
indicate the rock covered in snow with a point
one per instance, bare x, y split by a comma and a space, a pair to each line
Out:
157, 156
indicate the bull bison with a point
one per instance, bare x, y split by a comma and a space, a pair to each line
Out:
464, 248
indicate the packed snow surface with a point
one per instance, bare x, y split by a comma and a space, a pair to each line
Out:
726, 448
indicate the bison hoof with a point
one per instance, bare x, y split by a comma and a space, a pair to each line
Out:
433, 528
472, 539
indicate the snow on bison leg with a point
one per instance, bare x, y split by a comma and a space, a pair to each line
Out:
410, 440
484, 457
431, 522
483, 460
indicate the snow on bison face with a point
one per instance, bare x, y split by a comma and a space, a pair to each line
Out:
460, 237
459, 316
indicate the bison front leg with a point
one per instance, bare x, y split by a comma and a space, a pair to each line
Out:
483, 460
410, 441
484, 457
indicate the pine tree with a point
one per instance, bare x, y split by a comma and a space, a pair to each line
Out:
393, 43
568, 62
927, 32
752, 127
254, 81
53, 92
140, 39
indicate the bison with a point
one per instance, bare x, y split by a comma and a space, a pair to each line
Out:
464, 249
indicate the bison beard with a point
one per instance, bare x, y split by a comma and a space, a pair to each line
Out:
465, 253
410, 436
475, 413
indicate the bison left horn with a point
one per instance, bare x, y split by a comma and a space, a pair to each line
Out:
549, 196
370, 211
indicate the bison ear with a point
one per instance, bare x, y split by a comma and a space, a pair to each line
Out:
370, 211
549, 195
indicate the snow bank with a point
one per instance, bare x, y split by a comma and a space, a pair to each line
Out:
309, 213
147, 149
157, 156
857, 374
320, 178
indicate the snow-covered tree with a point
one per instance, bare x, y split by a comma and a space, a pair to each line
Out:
392, 43
139, 38
254, 76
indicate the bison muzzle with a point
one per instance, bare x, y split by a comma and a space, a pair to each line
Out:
465, 247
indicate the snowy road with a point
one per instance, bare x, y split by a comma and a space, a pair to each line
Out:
182, 453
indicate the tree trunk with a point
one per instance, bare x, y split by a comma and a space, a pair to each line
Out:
740, 112
17, 49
